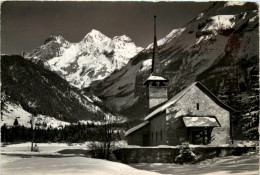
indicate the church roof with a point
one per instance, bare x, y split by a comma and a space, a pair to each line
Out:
180, 94
199, 121
136, 128
154, 78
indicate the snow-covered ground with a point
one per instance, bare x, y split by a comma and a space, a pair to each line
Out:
240, 165
44, 148
47, 148
71, 165
18, 159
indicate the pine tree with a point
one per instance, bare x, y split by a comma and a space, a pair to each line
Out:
16, 122
251, 114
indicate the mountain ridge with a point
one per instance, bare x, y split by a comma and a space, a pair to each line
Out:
34, 90
93, 58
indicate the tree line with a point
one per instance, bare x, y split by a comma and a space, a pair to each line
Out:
69, 134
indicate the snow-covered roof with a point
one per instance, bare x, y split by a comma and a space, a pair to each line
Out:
200, 121
136, 128
180, 94
154, 78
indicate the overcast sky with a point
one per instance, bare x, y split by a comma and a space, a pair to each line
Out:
26, 25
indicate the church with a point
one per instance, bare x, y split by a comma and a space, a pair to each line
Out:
194, 115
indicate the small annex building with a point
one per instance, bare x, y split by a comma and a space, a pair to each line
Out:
194, 115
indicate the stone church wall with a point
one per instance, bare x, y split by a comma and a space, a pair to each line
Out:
187, 105
136, 138
168, 155
158, 125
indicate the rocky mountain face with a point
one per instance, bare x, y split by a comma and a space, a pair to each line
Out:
93, 58
28, 89
219, 48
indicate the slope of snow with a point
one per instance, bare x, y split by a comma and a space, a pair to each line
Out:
86, 102
232, 3
200, 16
253, 19
204, 38
69, 165
146, 65
220, 22
174, 33
12, 111
50, 121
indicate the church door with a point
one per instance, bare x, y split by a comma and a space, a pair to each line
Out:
145, 139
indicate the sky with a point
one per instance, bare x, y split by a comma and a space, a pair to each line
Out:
26, 25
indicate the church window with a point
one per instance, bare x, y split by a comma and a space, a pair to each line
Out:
162, 84
198, 106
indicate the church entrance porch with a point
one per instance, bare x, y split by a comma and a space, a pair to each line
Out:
199, 129
199, 136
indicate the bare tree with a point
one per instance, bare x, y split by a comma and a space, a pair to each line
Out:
106, 132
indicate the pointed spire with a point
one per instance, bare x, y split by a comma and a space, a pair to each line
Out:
155, 75
155, 61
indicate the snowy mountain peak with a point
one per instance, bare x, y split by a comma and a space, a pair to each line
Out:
56, 38
93, 58
94, 36
122, 38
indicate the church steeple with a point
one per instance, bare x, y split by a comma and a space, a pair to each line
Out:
155, 61
157, 85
